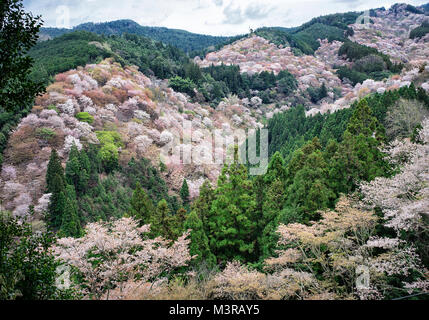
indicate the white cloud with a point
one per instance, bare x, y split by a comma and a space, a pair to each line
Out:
216, 17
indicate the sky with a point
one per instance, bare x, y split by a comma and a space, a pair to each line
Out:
214, 17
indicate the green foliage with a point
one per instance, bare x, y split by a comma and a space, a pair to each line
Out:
317, 94
119, 194
221, 81
182, 85
369, 63
45, 133
270, 197
290, 130
64, 53
325, 156
232, 222
79, 48
142, 207
308, 187
27, 267
18, 34
78, 170
199, 242
152, 58
141, 171
162, 222
53, 170
304, 40
184, 192
70, 225
85, 117
353, 75
109, 155
181, 39
420, 31
413, 9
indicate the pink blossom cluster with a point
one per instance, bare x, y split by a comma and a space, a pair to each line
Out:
112, 253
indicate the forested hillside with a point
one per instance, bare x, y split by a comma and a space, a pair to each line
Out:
130, 164
80, 48
181, 39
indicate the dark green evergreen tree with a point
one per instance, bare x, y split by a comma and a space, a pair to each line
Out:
199, 242
142, 207
58, 202
70, 225
161, 222
232, 221
184, 193
54, 168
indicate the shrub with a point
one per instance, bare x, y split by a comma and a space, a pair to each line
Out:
182, 85
85, 117
45, 133
109, 154
112, 137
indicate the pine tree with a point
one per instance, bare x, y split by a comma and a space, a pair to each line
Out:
362, 121
55, 184
232, 221
70, 225
73, 167
86, 169
203, 203
178, 223
142, 207
358, 156
58, 201
162, 223
310, 191
184, 193
54, 168
271, 195
199, 242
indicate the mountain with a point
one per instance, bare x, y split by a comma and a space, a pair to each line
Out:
184, 40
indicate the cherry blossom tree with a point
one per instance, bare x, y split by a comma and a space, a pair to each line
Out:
115, 256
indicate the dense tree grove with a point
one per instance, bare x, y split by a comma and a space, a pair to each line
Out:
420, 31
186, 41
369, 63
217, 82
81, 47
78, 195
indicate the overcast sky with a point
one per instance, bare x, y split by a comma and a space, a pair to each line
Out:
215, 17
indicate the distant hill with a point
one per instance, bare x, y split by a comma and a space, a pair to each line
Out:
79, 48
425, 8
303, 39
181, 39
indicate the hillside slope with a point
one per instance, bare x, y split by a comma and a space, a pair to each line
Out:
388, 34
145, 115
182, 39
